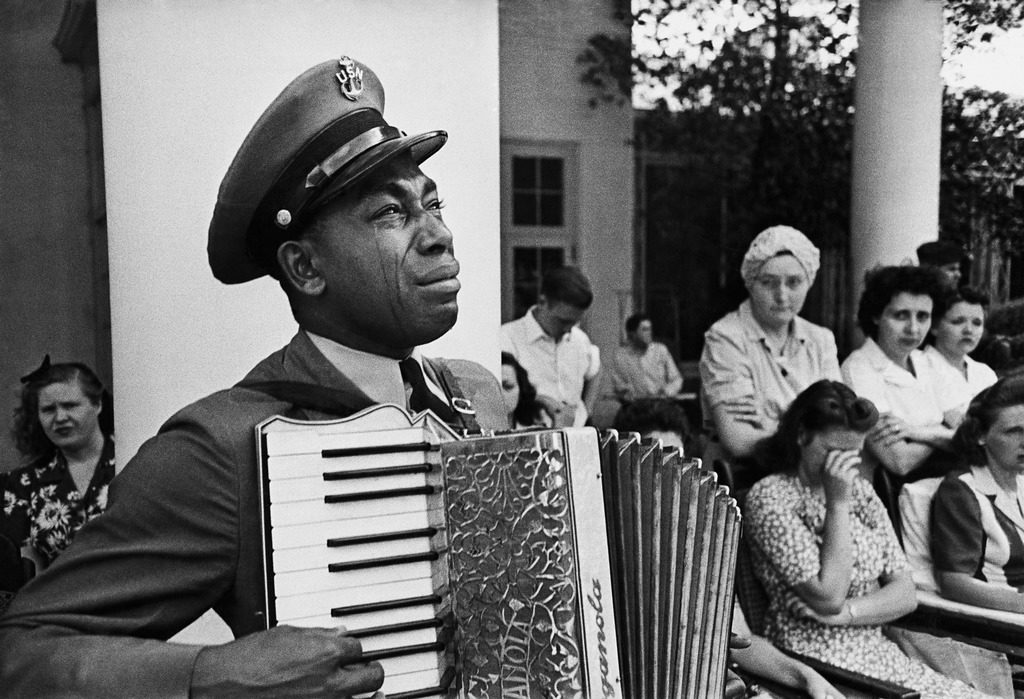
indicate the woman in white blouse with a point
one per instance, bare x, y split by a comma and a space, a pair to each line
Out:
895, 312
957, 327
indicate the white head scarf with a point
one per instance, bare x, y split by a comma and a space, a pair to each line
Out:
774, 241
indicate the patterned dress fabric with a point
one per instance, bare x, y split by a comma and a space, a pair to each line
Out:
44, 509
785, 523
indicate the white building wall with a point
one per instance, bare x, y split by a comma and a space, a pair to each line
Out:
542, 99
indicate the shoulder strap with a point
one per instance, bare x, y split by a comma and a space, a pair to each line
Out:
464, 413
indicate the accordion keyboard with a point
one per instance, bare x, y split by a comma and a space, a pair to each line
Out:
355, 537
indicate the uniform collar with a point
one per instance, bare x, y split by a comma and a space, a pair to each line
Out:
376, 376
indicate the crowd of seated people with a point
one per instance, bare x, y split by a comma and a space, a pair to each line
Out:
916, 372
780, 409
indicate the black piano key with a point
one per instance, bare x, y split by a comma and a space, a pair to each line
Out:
439, 691
381, 654
385, 605
376, 449
372, 472
381, 562
378, 494
382, 536
435, 623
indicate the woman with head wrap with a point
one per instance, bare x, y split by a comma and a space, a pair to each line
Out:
759, 357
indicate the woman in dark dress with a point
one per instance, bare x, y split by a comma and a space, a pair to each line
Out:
62, 427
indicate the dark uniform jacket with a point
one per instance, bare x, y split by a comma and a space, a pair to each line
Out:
181, 535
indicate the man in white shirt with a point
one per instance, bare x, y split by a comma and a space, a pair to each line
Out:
643, 368
561, 361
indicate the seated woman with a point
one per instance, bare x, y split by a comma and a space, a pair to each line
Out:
61, 429
665, 420
958, 324
977, 518
759, 357
825, 550
524, 410
895, 313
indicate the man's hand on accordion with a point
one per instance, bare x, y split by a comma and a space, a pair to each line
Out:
286, 661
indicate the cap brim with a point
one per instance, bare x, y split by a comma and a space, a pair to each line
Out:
420, 147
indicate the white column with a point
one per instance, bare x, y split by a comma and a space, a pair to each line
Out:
897, 130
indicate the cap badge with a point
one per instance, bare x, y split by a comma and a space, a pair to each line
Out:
350, 77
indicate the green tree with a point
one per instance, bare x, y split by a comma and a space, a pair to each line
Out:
983, 166
760, 92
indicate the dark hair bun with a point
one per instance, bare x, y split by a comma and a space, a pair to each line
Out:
863, 414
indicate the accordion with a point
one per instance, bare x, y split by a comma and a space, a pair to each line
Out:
548, 563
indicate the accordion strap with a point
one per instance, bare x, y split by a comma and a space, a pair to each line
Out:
464, 413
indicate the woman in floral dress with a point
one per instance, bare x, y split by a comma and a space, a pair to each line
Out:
825, 550
57, 427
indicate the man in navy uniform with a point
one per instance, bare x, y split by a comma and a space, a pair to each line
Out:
328, 198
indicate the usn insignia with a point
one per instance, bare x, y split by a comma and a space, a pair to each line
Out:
350, 77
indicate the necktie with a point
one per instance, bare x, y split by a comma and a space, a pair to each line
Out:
422, 397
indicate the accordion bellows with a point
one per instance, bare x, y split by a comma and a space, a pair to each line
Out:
552, 563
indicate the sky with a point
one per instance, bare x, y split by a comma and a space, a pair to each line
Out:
996, 66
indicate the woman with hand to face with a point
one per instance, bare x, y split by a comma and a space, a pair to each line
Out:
61, 428
895, 313
977, 518
823, 545
958, 325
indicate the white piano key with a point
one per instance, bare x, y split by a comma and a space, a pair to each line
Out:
399, 639
299, 606
300, 442
305, 512
367, 619
408, 682
314, 557
308, 465
307, 581
412, 664
315, 488
317, 533
413, 681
